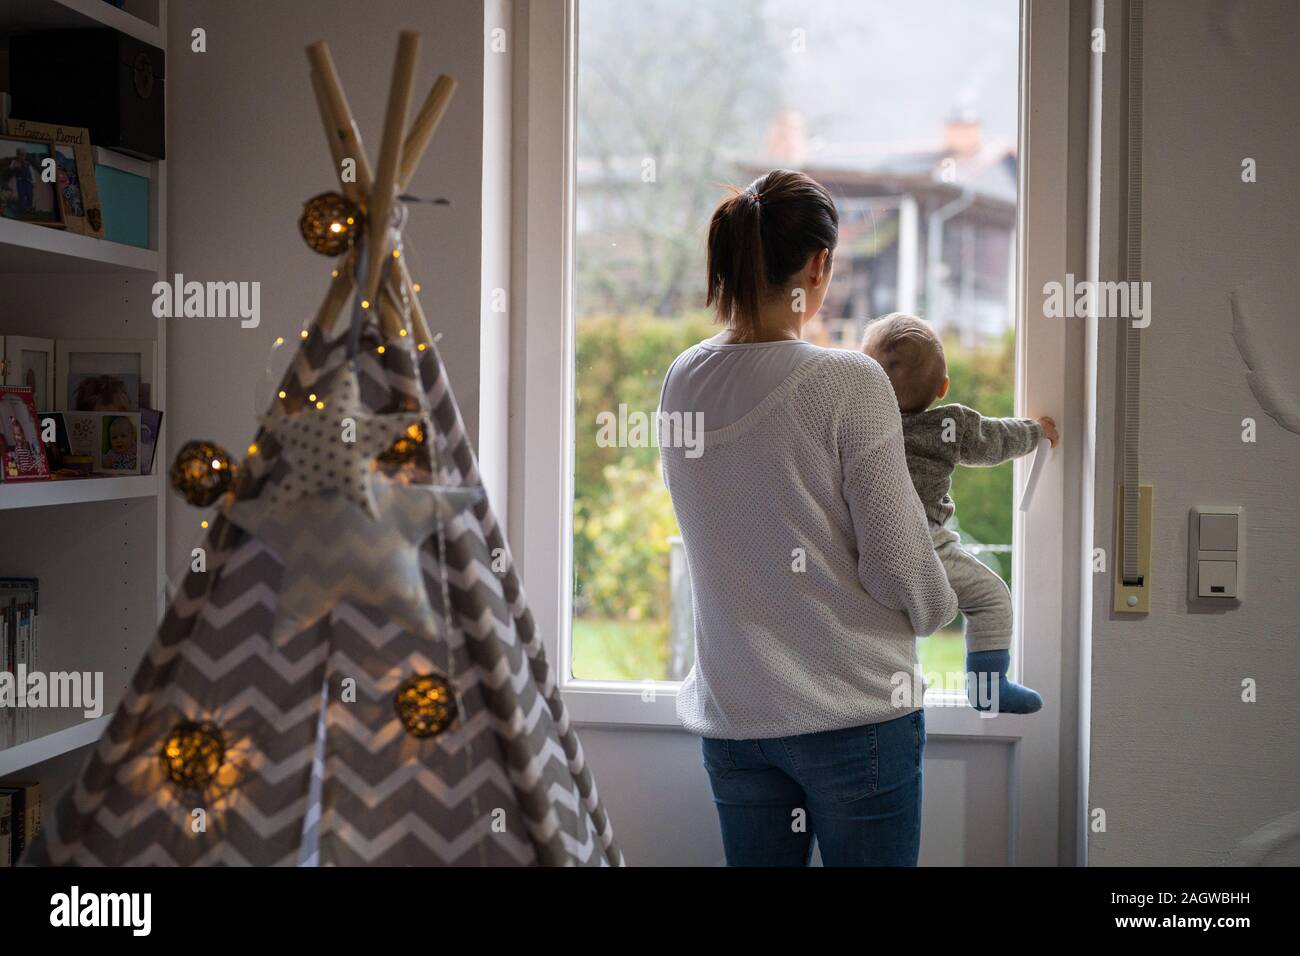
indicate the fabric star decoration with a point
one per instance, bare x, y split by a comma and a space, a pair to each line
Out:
313, 444
332, 551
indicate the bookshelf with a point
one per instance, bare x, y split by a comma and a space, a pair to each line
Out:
95, 544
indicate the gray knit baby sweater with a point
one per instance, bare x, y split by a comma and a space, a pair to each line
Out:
939, 439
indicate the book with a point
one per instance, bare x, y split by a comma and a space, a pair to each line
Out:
19, 644
6, 830
25, 813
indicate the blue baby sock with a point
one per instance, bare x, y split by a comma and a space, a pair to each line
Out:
1012, 698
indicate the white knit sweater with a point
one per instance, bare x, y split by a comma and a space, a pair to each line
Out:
816, 468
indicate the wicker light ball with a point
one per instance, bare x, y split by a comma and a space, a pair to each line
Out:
426, 705
330, 224
202, 472
193, 754
407, 450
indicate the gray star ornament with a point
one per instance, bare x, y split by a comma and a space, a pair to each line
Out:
315, 444
332, 551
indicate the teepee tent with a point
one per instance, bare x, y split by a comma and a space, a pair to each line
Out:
353, 677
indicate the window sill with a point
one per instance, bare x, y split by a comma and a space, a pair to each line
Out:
650, 705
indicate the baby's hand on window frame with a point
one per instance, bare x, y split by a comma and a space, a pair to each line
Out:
1049, 429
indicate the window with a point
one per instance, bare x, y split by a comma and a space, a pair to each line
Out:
908, 113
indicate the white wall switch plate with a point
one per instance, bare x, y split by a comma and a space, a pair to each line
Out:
1216, 559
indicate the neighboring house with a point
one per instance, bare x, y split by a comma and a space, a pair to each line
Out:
924, 229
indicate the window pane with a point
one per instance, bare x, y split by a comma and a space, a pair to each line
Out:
906, 112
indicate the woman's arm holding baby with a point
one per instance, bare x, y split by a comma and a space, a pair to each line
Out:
897, 564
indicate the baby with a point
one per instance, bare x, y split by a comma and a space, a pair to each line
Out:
936, 440
120, 455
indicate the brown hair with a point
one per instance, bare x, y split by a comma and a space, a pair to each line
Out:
761, 236
910, 352
101, 393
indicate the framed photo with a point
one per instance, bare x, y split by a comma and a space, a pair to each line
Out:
22, 456
29, 363
54, 436
26, 193
74, 166
108, 375
150, 429
119, 444
110, 439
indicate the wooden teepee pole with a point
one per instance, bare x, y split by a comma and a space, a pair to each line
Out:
390, 155
340, 128
422, 128
345, 142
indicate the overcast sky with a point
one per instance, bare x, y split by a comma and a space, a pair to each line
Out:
896, 69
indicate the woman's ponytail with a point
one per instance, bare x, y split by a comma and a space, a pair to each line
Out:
759, 237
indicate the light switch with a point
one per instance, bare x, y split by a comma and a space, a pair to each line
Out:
1218, 532
1216, 560
1218, 579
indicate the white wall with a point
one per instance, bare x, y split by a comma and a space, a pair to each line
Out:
247, 149
1182, 767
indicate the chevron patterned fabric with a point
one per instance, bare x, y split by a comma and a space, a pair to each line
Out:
319, 768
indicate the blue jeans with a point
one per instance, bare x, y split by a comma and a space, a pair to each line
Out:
857, 790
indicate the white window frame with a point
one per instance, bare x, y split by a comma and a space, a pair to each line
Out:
1048, 363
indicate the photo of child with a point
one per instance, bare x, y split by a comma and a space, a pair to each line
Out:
119, 451
22, 456
23, 194
69, 183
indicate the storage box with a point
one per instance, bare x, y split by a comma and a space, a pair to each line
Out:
123, 198
106, 81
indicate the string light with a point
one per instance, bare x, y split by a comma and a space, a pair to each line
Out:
416, 286
203, 524
320, 405
252, 449
304, 333
279, 340
365, 303
282, 393
380, 350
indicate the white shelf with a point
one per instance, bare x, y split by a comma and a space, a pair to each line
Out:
27, 248
18, 758
69, 491
18, 15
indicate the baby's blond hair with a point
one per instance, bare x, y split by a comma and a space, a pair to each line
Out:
910, 352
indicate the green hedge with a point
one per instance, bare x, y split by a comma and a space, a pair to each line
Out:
622, 514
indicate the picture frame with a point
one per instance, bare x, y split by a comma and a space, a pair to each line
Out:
22, 454
24, 193
112, 440
150, 432
76, 188
104, 374
29, 362
57, 448
118, 451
